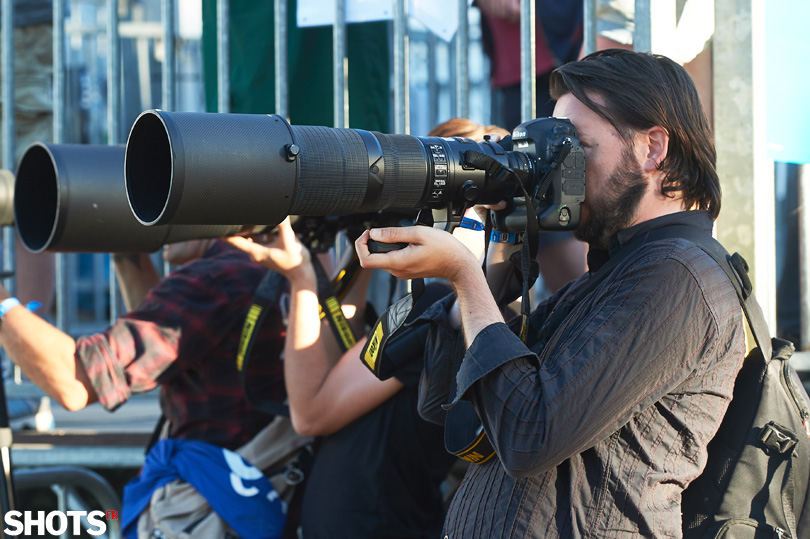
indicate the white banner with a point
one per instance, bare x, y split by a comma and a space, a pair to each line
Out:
439, 17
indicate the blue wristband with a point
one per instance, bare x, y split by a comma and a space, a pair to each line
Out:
471, 224
506, 237
7, 304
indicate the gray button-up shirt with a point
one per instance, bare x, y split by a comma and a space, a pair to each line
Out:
598, 432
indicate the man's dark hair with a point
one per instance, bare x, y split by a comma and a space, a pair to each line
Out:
643, 90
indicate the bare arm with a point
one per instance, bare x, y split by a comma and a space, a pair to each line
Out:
325, 396
47, 356
326, 390
136, 276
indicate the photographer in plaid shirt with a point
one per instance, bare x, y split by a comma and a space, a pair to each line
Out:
182, 336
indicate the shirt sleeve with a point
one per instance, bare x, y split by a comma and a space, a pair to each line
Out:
181, 320
634, 339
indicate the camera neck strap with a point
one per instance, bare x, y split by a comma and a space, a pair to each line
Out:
267, 297
328, 299
531, 231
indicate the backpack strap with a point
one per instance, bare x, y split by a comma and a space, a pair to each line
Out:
736, 269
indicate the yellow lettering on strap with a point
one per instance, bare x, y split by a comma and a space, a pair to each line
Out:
341, 323
370, 357
247, 331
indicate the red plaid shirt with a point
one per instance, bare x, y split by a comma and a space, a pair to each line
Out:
184, 337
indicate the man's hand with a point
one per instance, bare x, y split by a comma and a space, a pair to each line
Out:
284, 253
430, 253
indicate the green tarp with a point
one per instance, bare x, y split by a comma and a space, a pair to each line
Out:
252, 66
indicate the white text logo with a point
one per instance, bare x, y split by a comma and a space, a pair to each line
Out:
56, 523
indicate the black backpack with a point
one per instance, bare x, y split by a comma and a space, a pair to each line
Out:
756, 478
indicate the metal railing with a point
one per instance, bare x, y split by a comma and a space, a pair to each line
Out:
401, 36
65, 481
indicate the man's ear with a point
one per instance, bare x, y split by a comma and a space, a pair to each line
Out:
656, 140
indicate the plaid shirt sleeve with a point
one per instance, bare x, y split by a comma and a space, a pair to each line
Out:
184, 317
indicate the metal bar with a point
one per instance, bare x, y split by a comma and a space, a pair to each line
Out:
113, 117
7, 62
169, 78
9, 493
223, 58
642, 37
113, 73
401, 112
8, 127
528, 82
432, 83
88, 480
741, 140
59, 81
59, 107
61, 503
804, 254
282, 84
589, 31
462, 65
339, 66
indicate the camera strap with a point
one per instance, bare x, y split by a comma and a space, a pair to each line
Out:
267, 297
330, 304
464, 434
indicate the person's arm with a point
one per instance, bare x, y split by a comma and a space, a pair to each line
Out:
35, 277
435, 253
326, 390
136, 276
633, 342
46, 355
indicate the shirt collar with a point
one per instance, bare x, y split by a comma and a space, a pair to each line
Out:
697, 218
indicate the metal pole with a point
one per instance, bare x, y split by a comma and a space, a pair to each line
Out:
462, 67
528, 83
169, 74
589, 31
7, 61
9, 127
401, 112
432, 83
740, 131
7, 494
59, 99
169, 64
113, 73
642, 37
282, 85
113, 117
339, 66
223, 58
804, 254
9, 139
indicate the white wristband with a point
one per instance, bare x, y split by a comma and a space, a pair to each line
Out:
7, 304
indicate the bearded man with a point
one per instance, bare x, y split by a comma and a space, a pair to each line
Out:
601, 418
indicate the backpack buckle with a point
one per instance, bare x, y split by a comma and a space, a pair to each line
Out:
778, 438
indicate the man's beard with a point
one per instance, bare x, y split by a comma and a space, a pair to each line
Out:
617, 205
